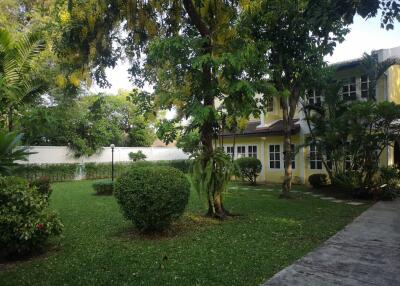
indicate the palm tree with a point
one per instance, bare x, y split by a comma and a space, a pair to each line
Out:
16, 83
11, 151
375, 69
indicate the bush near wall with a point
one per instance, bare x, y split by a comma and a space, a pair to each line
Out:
55, 172
67, 172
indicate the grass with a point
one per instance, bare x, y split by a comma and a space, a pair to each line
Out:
99, 247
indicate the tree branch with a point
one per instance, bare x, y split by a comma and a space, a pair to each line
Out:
196, 19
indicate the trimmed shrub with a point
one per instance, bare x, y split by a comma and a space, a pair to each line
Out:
318, 180
153, 196
25, 220
248, 168
137, 156
104, 187
55, 172
43, 186
349, 182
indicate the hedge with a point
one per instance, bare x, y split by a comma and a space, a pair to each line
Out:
68, 172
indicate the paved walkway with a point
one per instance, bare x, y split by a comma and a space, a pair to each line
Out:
365, 253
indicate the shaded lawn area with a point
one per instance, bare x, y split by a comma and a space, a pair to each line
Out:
98, 248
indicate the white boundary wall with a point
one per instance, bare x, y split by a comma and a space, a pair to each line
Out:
62, 154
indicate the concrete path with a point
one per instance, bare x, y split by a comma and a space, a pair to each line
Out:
365, 253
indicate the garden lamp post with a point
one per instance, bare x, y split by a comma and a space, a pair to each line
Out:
112, 161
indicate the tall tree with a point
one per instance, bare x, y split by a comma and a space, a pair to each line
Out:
301, 33
193, 57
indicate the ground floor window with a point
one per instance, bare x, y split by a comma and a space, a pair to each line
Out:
252, 151
275, 156
230, 151
315, 158
241, 151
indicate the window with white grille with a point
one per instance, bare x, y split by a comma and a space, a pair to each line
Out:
315, 158
252, 151
241, 151
275, 156
349, 89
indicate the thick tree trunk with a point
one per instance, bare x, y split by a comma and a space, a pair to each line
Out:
287, 150
215, 207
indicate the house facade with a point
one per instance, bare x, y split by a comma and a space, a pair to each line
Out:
263, 137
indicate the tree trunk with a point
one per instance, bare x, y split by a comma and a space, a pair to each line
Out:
215, 207
287, 150
289, 105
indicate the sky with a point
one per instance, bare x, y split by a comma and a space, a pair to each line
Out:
365, 36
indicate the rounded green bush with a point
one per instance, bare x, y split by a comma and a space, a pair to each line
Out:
318, 180
248, 168
103, 187
152, 196
25, 219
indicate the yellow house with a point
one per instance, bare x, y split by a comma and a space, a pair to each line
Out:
263, 137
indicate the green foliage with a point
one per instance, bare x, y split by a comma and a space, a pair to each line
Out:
210, 175
137, 156
318, 180
189, 143
104, 187
348, 182
17, 86
55, 172
25, 220
43, 186
11, 151
152, 197
249, 168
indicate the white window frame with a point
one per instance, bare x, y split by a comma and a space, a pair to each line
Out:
272, 161
314, 97
252, 153
367, 90
348, 84
230, 151
240, 154
315, 158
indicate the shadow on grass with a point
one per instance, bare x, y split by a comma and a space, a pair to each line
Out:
189, 223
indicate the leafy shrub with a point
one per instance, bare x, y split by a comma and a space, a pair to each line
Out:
347, 181
137, 156
55, 172
42, 185
104, 187
318, 180
153, 196
25, 220
390, 176
249, 168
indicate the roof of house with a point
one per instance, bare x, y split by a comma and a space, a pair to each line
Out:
272, 130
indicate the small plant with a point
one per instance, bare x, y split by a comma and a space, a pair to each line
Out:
349, 182
26, 222
318, 180
104, 187
137, 156
43, 186
249, 168
152, 197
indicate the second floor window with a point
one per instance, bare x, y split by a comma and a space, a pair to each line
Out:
349, 89
315, 158
365, 86
314, 97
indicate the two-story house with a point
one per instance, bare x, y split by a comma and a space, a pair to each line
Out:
263, 137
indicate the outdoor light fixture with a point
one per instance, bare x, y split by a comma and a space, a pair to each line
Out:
112, 161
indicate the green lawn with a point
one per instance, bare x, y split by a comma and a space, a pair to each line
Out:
99, 247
